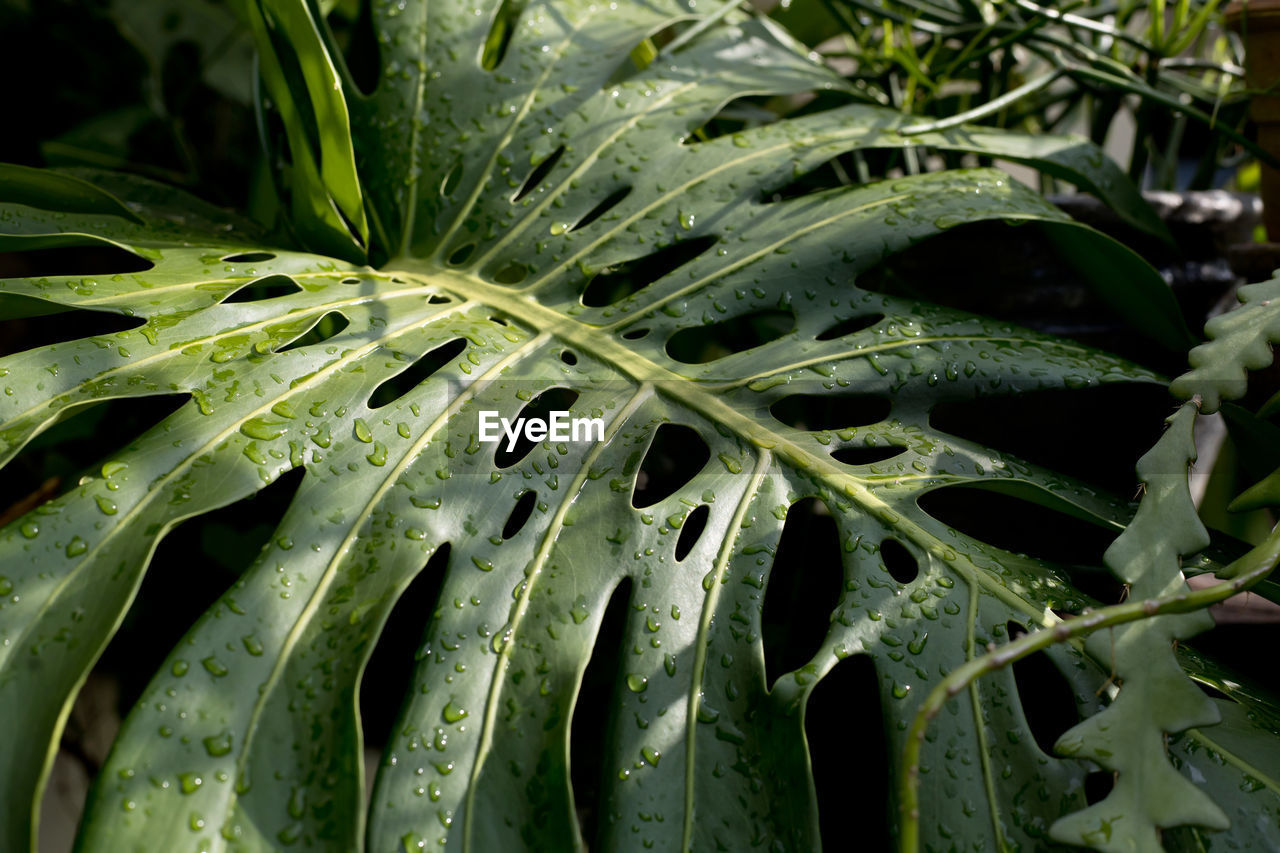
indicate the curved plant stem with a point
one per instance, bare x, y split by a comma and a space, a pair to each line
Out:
1242, 574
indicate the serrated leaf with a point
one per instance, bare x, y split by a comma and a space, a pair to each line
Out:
1156, 697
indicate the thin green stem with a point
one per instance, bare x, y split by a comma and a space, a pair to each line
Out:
991, 107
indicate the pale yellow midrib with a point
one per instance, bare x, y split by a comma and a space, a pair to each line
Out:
689, 392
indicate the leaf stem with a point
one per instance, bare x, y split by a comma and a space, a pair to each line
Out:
992, 106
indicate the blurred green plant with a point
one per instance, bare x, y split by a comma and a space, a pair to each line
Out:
1169, 68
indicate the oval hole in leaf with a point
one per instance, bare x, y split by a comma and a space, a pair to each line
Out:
1039, 426
634, 334
271, 287
830, 411
606, 204
500, 32
1011, 522
513, 273
389, 673
865, 454
691, 531
622, 280
520, 514
414, 375
330, 324
451, 181
540, 407
27, 323
746, 331
539, 173
1098, 785
901, 563
675, 456
249, 258
568, 357
438, 299
97, 259
1048, 702
850, 769
590, 742
217, 548
803, 589
848, 327
460, 255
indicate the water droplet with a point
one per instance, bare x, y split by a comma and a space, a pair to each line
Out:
219, 744
263, 429
189, 782
214, 667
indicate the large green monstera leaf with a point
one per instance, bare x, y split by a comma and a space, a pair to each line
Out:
524, 214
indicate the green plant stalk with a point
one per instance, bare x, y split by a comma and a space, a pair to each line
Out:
1266, 554
1159, 97
699, 28
1083, 23
991, 107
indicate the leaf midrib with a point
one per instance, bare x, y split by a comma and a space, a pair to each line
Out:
702, 399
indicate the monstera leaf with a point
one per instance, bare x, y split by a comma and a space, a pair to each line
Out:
524, 215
